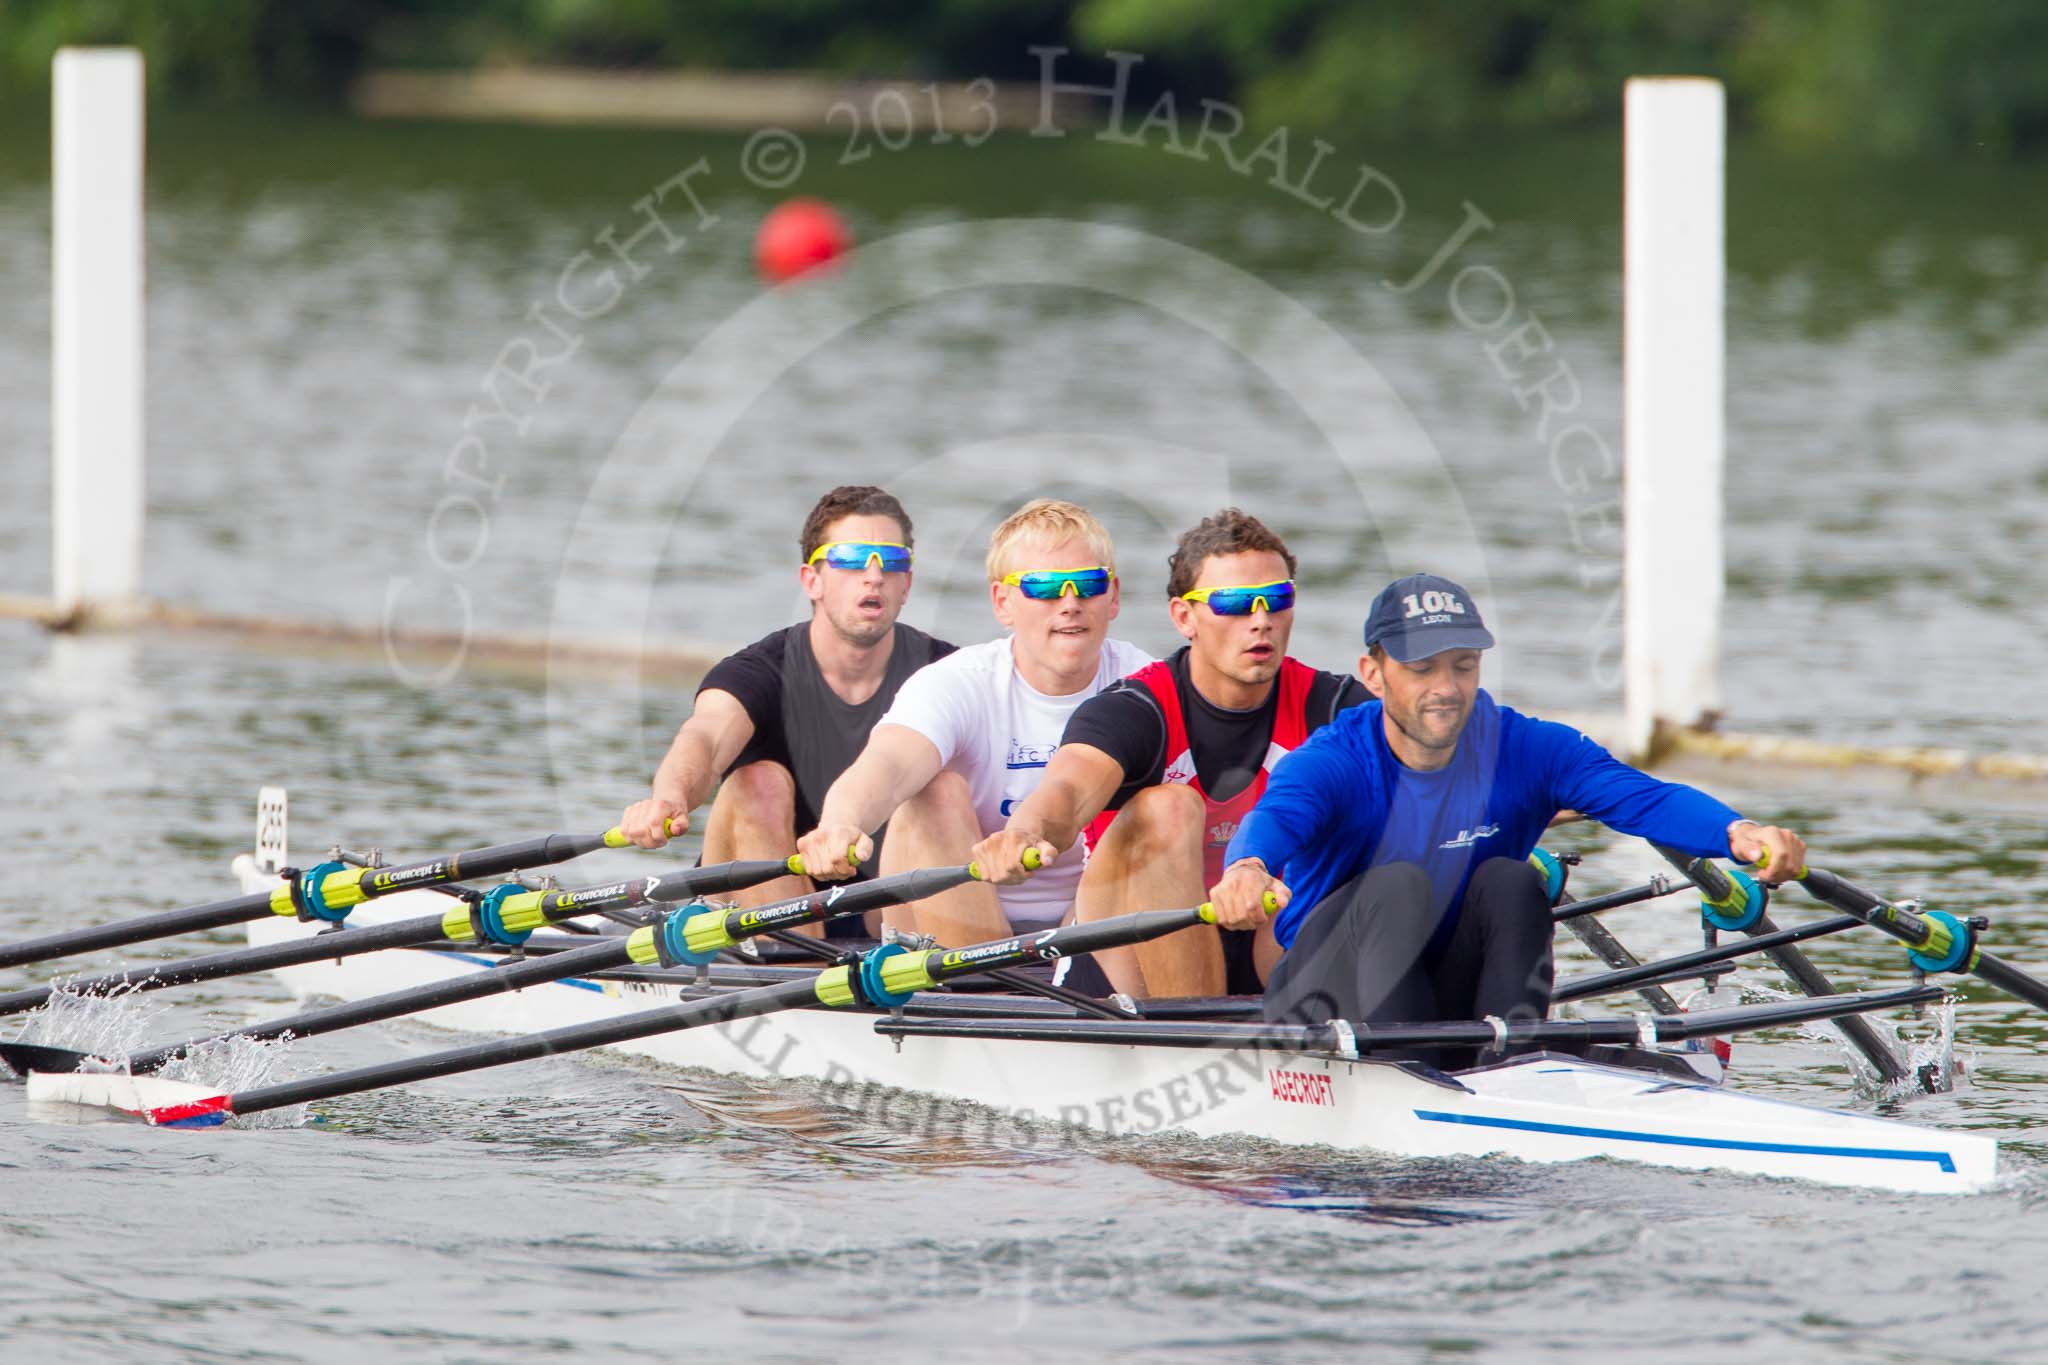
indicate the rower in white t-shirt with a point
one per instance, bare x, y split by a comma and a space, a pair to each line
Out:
969, 736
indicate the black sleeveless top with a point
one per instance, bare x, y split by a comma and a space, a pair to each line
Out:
799, 721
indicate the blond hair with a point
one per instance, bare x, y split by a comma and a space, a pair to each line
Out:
1047, 521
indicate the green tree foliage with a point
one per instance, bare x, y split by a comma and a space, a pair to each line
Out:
1874, 75
202, 50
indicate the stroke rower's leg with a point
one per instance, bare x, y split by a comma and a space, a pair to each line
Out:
754, 816
1358, 954
1151, 858
936, 828
1498, 959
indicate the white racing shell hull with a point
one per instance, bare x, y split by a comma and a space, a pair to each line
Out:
1545, 1108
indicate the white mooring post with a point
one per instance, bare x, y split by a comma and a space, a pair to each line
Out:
1672, 359
96, 475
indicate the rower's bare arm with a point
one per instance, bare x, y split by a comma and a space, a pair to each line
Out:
705, 746
896, 765
1247, 894
1076, 786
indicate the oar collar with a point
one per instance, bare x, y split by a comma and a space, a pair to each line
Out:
672, 937
307, 897
868, 982
488, 919
1742, 908
1951, 943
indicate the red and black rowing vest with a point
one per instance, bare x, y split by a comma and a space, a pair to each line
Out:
1290, 728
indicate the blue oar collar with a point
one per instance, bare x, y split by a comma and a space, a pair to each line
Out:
306, 894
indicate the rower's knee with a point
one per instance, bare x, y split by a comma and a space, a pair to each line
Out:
1517, 900
760, 796
763, 786
938, 815
1164, 820
1516, 882
945, 794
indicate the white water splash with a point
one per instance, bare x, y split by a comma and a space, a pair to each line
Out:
108, 1026
111, 1027
238, 1063
1927, 1045
1924, 1043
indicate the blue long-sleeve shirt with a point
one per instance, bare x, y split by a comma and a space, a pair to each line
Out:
1342, 803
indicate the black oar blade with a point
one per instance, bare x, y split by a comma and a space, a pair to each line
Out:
23, 1058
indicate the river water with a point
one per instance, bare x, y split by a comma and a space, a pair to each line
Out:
1156, 336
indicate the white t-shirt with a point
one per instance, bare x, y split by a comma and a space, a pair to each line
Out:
998, 732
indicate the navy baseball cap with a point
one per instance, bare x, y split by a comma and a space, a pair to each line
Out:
1421, 615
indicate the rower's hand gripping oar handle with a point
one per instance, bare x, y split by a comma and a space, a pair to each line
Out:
615, 837
1030, 860
795, 861
1206, 912
1763, 864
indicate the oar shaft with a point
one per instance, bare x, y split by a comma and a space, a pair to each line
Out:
1608, 982
834, 986
1915, 931
139, 930
616, 952
157, 976
1615, 954
493, 861
1703, 873
341, 942
511, 976
2010, 979
1565, 911
1371, 1038
504, 1051
1813, 981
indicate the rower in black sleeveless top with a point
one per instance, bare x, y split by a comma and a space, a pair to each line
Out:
782, 718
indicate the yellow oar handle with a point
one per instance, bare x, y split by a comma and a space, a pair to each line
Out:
1029, 860
1270, 901
615, 837
795, 861
1763, 863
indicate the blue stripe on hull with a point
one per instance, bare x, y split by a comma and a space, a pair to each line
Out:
1940, 1159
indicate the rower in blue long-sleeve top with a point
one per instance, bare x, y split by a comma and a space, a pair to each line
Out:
1396, 839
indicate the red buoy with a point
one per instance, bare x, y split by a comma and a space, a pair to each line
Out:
797, 236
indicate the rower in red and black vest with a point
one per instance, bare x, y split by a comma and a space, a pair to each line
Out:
1157, 770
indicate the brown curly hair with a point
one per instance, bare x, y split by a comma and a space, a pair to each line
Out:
850, 500
1228, 532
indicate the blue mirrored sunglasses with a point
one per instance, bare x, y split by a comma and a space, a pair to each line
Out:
1045, 585
1243, 601
858, 554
